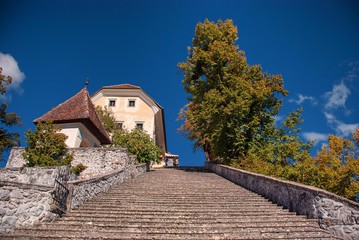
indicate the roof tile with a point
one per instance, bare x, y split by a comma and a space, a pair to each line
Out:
78, 108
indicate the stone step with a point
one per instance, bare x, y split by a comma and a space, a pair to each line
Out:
197, 195
180, 206
160, 233
194, 236
178, 197
189, 219
184, 212
177, 225
179, 200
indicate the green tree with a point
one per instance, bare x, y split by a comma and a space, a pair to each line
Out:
138, 143
335, 168
46, 146
7, 139
231, 104
280, 152
107, 118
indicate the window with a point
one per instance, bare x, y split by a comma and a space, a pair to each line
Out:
131, 103
112, 103
120, 125
139, 126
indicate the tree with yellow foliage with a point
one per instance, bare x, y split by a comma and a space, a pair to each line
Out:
335, 168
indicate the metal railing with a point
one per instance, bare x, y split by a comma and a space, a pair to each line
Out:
60, 195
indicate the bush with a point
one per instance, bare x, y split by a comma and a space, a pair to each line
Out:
79, 168
138, 143
46, 146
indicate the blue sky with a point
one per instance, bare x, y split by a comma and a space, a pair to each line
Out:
51, 47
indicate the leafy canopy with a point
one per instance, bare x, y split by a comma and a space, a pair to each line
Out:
7, 139
230, 115
335, 168
138, 143
46, 146
107, 118
231, 104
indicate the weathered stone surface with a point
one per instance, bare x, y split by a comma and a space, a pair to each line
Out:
83, 190
97, 160
28, 194
4, 195
100, 160
16, 194
36, 175
16, 159
334, 213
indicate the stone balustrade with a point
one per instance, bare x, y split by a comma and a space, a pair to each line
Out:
334, 213
84, 189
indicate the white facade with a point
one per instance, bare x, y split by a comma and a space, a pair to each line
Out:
133, 108
78, 136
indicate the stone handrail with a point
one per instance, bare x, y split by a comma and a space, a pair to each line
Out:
82, 190
141, 168
334, 213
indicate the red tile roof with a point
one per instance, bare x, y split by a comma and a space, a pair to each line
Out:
122, 86
78, 108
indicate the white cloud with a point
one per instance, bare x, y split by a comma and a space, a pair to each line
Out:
11, 68
319, 137
337, 97
345, 129
341, 128
330, 117
301, 98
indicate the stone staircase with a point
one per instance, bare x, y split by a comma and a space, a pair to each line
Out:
177, 204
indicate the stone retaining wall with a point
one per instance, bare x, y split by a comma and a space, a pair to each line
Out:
27, 195
24, 205
101, 160
334, 213
31, 195
97, 160
36, 175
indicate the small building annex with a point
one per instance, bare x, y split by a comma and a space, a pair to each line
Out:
79, 121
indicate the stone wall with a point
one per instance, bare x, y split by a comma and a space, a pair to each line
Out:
24, 204
141, 169
31, 195
334, 213
97, 160
100, 160
83, 190
28, 195
16, 159
36, 175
